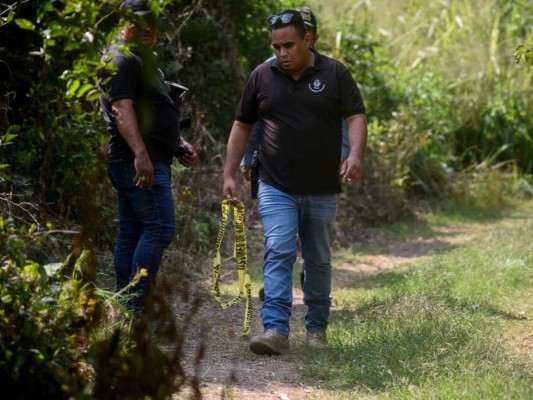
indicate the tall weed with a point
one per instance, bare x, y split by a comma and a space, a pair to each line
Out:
448, 81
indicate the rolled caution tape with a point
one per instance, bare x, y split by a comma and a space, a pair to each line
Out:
240, 255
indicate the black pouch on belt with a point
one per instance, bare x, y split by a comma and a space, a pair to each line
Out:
254, 175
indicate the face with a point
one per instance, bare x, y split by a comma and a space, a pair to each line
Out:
291, 50
143, 34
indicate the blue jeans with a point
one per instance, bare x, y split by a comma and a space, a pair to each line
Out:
147, 224
310, 217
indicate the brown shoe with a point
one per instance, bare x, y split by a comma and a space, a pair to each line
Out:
316, 340
272, 343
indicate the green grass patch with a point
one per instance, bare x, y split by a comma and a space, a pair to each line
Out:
437, 329
406, 229
491, 273
454, 212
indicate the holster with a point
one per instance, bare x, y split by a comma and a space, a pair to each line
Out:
254, 175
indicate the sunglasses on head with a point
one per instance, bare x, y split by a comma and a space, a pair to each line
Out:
282, 19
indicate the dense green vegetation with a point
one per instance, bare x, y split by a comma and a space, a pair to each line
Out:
448, 104
448, 89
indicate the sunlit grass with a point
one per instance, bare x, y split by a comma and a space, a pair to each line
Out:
460, 38
440, 329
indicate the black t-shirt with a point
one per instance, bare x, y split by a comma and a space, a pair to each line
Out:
138, 79
301, 120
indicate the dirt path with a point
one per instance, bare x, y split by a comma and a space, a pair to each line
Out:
229, 370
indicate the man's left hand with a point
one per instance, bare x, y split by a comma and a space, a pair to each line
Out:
351, 169
189, 158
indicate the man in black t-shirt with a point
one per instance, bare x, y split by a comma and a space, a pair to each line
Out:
300, 99
143, 123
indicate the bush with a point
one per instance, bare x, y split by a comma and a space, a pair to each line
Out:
43, 318
56, 341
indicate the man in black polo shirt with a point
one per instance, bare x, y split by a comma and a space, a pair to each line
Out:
300, 98
143, 123
311, 25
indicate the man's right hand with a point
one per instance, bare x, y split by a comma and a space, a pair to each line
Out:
230, 189
238, 137
144, 171
128, 127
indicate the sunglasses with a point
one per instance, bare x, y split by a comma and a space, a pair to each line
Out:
282, 19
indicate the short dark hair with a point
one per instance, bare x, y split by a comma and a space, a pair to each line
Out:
288, 17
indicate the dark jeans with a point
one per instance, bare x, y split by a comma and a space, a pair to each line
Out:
147, 225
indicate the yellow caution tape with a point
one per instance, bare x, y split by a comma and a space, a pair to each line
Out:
245, 285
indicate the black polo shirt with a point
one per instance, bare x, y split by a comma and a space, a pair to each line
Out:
301, 139
139, 79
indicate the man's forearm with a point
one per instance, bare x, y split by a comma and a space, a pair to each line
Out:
128, 127
357, 131
238, 138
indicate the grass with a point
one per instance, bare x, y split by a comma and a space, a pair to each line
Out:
447, 327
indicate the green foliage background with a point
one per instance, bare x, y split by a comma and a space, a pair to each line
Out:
444, 91
447, 85
442, 82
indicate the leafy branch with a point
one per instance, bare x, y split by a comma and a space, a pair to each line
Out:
524, 53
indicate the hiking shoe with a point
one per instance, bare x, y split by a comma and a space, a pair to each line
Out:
272, 343
316, 340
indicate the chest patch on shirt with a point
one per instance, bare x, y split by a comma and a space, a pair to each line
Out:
317, 85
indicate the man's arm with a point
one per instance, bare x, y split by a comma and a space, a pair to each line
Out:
238, 138
128, 127
352, 167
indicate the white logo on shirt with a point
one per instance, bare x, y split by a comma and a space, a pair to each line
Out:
317, 86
